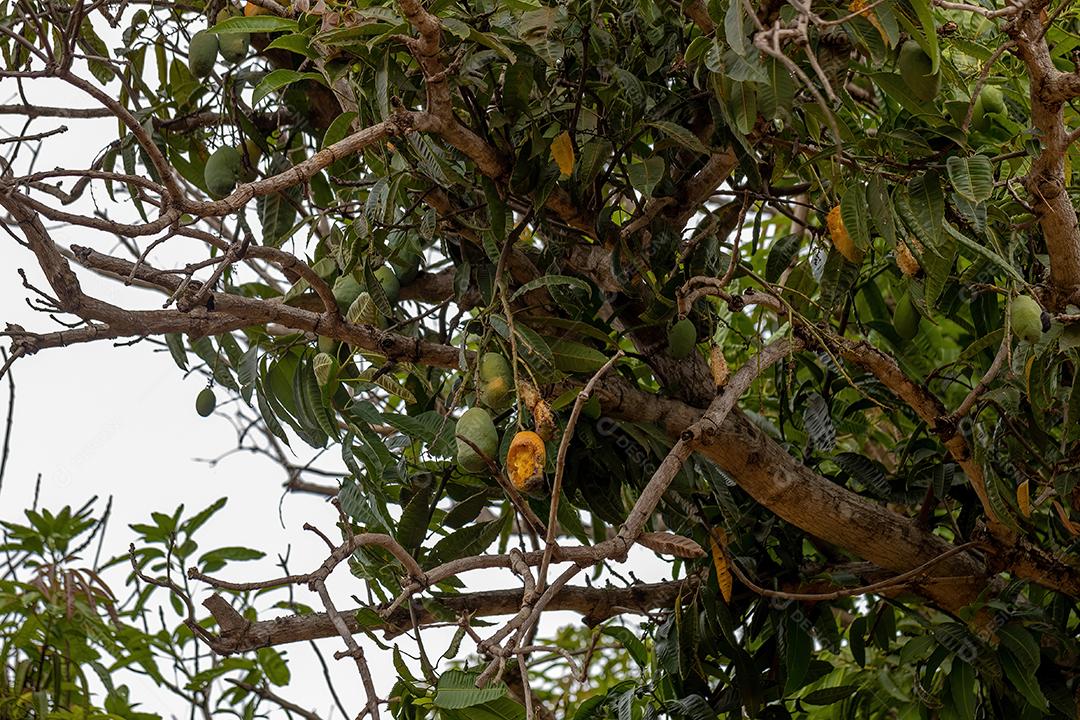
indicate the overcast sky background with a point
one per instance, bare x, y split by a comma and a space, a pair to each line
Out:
98, 420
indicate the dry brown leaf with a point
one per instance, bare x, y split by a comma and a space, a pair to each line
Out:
906, 260
718, 365
667, 543
543, 418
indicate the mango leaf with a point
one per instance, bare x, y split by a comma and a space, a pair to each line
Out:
457, 689
278, 79
971, 177
562, 150
853, 211
574, 357
828, 696
629, 640
273, 666
646, 174
548, 281
680, 135
257, 24
881, 210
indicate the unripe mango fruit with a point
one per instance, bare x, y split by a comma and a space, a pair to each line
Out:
205, 402
222, 171
476, 426
346, 290
915, 68
906, 318
1026, 318
991, 101
496, 380
681, 338
233, 47
202, 51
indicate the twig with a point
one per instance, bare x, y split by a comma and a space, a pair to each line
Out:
560, 465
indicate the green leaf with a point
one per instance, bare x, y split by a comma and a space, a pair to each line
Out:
257, 24
981, 250
457, 689
780, 256
680, 135
278, 79
413, 525
735, 27
574, 357
1021, 644
296, 43
857, 640
881, 210
548, 281
646, 174
470, 540
972, 177
1023, 678
216, 559
798, 647
962, 690
744, 105
629, 640
853, 211
273, 664
927, 205
828, 696
175, 343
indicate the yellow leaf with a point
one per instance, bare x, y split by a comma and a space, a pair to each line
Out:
719, 558
859, 6
1072, 527
1023, 498
562, 149
841, 240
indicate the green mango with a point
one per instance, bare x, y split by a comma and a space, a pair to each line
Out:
476, 425
906, 318
346, 290
496, 380
205, 402
681, 338
202, 51
233, 47
406, 265
222, 171
1026, 318
916, 70
990, 102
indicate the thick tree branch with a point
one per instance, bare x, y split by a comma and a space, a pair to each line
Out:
594, 604
1046, 181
